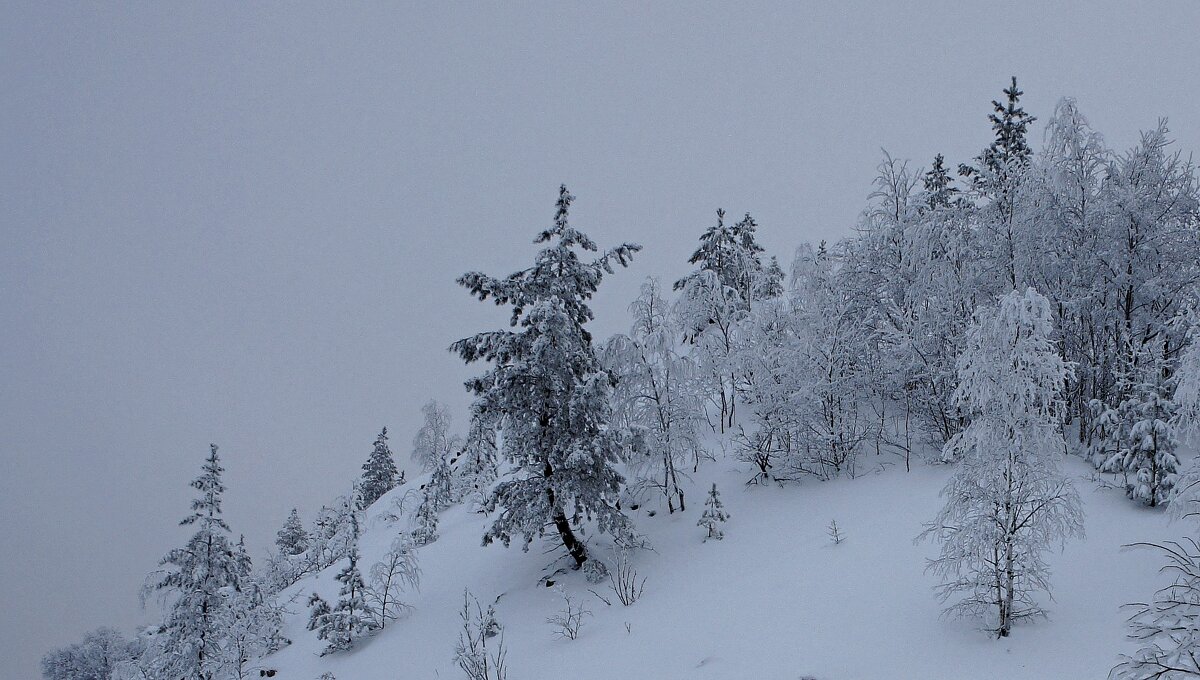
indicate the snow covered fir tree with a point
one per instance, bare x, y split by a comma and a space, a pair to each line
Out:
548, 393
993, 381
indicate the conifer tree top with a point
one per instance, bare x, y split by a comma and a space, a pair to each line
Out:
207, 508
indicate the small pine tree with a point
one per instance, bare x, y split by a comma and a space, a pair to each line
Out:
292, 539
426, 521
379, 472
1150, 452
352, 617
714, 515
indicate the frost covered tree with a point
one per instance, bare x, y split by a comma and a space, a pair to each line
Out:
433, 443
335, 530
1007, 502
352, 617
833, 365
98, 657
714, 298
199, 578
714, 515
251, 627
292, 539
549, 393
390, 578
379, 474
656, 397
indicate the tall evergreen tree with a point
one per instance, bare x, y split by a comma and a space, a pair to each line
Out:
549, 391
199, 578
379, 472
292, 539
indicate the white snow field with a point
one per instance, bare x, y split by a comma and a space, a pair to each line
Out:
774, 599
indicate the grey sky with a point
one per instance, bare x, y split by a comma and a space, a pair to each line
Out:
242, 224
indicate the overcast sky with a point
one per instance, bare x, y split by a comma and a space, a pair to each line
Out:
242, 225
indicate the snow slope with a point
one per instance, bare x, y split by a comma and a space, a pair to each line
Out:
775, 599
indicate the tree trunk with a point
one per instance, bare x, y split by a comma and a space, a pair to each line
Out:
574, 547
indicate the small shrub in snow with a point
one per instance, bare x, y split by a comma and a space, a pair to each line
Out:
595, 571
714, 514
471, 654
835, 534
624, 580
569, 620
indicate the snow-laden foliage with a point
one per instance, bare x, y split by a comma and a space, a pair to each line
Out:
548, 392
397, 573
730, 279
99, 656
1007, 502
657, 396
1168, 627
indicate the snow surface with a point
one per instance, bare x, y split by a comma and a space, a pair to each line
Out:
774, 599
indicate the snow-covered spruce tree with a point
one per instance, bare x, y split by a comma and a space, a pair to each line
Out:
1007, 502
379, 474
390, 578
434, 444
656, 397
199, 579
292, 539
425, 520
352, 617
714, 515
548, 392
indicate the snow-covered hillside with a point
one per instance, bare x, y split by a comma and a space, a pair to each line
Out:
775, 599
